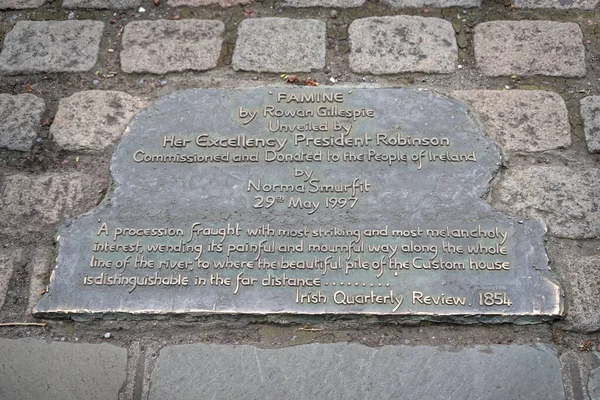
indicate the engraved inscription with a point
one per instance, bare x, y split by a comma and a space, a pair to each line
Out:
304, 200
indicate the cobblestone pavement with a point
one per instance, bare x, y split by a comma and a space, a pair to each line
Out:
74, 72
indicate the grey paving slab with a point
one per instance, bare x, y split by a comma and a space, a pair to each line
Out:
324, 3
529, 48
32, 202
433, 3
521, 120
35, 369
197, 3
558, 4
20, 120
352, 371
51, 46
280, 45
8, 258
101, 4
564, 197
390, 45
169, 46
93, 120
20, 4
580, 374
590, 112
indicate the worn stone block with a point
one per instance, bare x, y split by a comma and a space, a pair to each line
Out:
521, 120
324, 3
93, 120
579, 273
529, 48
8, 258
20, 120
280, 45
580, 370
35, 369
30, 203
559, 4
198, 3
102, 4
390, 45
19, 4
590, 112
39, 265
51, 46
352, 371
565, 198
433, 3
169, 46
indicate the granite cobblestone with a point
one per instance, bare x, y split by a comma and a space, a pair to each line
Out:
529, 48
390, 45
51, 46
20, 120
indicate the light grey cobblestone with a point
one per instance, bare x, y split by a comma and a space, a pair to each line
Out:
521, 120
324, 3
29, 203
8, 258
35, 369
280, 45
93, 120
39, 269
529, 48
20, 4
390, 45
565, 198
352, 371
590, 112
433, 3
51, 46
169, 46
101, 4
197, 3
20, 120
559, 4
578, 272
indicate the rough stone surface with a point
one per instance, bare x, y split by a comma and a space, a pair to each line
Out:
172, 192
19, 4
324, 3
580, 375
560, 4
198, 3
521, 120
51, 46
20, 120
565, 198
433, 3
389, 45
28, 203
168, 46
579, 272
352, 371
529, 48
8, 258
35, 369
93, 120
102, 4
280, 45
39, 271
590, 112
